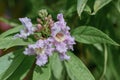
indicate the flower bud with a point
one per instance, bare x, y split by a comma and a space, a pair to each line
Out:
39, 27
43, 13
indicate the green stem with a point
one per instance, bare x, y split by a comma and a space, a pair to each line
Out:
105, 62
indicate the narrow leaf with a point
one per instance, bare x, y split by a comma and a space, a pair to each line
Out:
11, 31
87, 9
8, 42
76, 69
14, 65
57, 66
23, 68
8, 21
100, 4
5, 62
80, 6
91, 35
42, 73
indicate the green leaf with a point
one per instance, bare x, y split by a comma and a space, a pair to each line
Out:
5, 62
19, 57
70, 11
57, 66
8, 42
6, 20
42, 73
87, 9
11, 31
23, 68
80, 6
100, 4
76, 69
117, 5
91, 35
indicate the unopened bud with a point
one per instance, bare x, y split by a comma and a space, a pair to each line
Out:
39, 20
43, 13
39, 26
51, 22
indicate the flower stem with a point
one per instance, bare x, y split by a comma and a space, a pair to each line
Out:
105, 61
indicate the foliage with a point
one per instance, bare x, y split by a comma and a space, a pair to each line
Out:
94, 25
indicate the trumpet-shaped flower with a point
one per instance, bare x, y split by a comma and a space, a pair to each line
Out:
61, 37
28, 28
42, 48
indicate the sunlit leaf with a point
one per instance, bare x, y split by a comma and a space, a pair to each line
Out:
117, 5
5, 62
80, 6
99, 4
56, 65
17, 60
8, 42
23, 68
76, 69
91, 35
42, 73
87, 9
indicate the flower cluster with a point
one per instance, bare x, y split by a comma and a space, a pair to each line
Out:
42, 48
59, 40
62, 39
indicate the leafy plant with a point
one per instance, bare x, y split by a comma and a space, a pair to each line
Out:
92, 56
